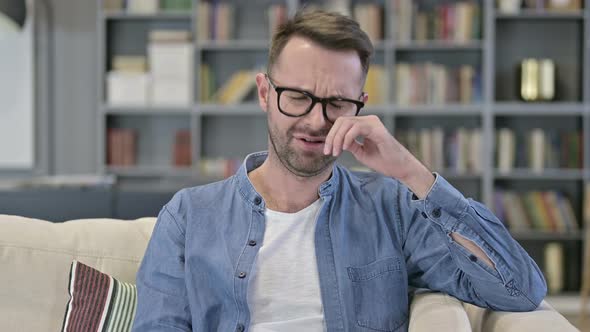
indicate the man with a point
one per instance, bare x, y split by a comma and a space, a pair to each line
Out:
295, 242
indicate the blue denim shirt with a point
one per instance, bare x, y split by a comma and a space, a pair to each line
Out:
375, 241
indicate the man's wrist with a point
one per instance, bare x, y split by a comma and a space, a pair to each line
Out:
419, 179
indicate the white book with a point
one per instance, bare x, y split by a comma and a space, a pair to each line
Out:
475, 157
506, 148
143, 6
171, 60
537, 150
171, 92
554, 267
402, 83
128, 88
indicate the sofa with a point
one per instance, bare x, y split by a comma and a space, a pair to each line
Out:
36, 255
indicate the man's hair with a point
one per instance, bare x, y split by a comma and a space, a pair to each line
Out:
329, 30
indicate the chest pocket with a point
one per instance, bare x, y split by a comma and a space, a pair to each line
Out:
380, 295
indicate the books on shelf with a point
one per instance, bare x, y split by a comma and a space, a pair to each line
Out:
121, 146
171, 62
458, 150
142, 6
554, 267
236, 88
176, 5
147, 6
430, 83
376, 85
182, 148
128, 88
128, 81
546, 211
130, 63
215, 21
219, 167
370, 18
538, 149
456, 22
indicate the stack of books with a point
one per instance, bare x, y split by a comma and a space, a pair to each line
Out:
128, 82
170, 54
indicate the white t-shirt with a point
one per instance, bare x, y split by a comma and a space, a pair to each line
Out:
284, 292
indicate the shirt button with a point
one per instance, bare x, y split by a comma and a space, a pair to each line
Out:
252, 243
436, 212
424, 215
242, 275
473, 258
240, 328
257, 200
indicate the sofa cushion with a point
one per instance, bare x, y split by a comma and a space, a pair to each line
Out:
35, 260
98, 302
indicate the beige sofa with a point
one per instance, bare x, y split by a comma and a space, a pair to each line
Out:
35, 258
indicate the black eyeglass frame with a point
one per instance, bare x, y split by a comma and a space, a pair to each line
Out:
314, 100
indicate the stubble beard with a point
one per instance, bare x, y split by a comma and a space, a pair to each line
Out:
300, 164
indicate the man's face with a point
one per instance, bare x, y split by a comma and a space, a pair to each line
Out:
298, 142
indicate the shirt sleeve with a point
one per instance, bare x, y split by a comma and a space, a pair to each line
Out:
162, 302
435, 261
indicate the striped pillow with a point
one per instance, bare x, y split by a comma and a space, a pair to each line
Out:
98, 302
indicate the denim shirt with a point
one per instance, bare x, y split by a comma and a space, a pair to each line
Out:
375, 242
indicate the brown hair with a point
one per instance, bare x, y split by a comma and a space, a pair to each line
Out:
330, 30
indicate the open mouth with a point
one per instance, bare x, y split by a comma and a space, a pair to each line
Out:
311, 140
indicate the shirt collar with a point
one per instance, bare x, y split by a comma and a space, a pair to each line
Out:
253, 161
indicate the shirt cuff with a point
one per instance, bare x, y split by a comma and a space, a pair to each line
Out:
443, 204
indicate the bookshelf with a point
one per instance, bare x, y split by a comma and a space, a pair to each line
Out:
483, 98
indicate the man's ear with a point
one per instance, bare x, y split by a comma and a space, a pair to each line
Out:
365, 97
263, 90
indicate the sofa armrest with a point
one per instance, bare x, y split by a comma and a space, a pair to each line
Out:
542, 319
431, 311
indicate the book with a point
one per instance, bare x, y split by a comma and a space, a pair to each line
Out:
128, 88
236, 88
129, 63
182, 148
142, 6
554, 267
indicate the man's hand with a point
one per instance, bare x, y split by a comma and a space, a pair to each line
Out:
379, 151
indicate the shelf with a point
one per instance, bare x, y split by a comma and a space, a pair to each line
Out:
440, 45
443, 110
151, 171
546, 236
154, 16
146, 110
451, 174
541, 15
251, 109
547, 174
234, 45
547, 108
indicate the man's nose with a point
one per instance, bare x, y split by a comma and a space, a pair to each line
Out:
316, 115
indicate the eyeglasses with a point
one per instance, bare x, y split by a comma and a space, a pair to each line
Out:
296, 103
